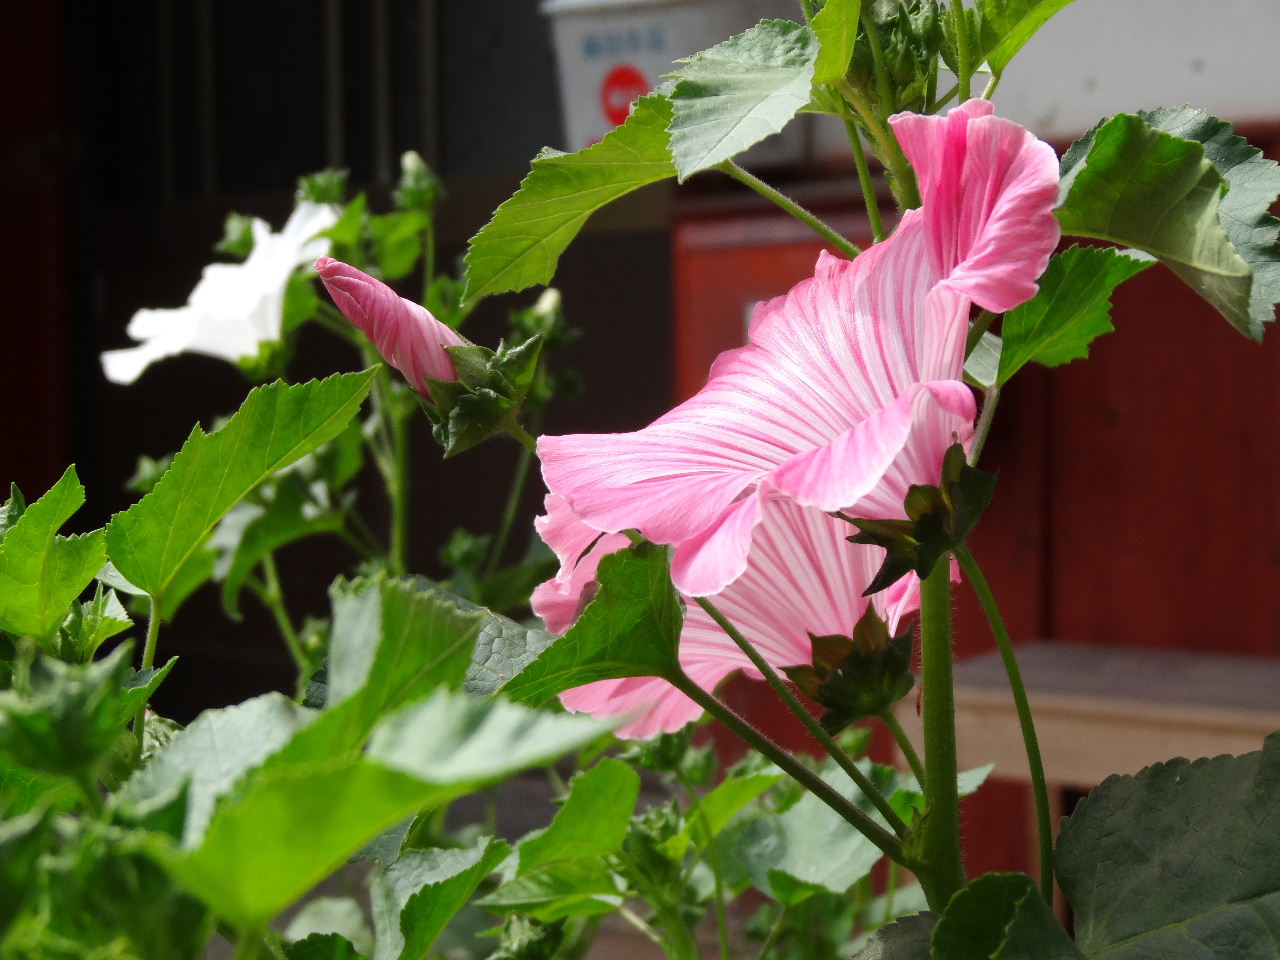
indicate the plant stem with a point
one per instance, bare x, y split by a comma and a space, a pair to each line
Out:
905, 745
962, 48
639, 923
942, 873
273, 597
973, 573
891, 888
148, 658
864, 178
523, 436
790, 206
249, 947
510, 509
983, 427
774, 932
859, 820
842, 759
713, 861
890, 153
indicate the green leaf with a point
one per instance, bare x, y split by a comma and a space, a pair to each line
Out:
41, 573
1253, 183
836, 26
503, 649
712, 813
350, 226
907, 938
249, 533
69, 719
140, 686
593, 820
738, 92
455, 738
1006, 25
399, 241
1134, 185
1180, 860
1071, 309
95, 621
212, 755
631, 629
13, 509
1001, 916
291, 824
276, 425
392, 643
569, 888
22, 840
520, 246
323, 946
416, 897
982, 366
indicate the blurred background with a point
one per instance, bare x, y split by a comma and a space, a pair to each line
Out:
1136, 504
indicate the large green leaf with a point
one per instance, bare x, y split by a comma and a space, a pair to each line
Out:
631, 629
836, 27
288, 825
416, 897
520, 246
1180, 860
1004, 26
276, 425
907, 938
1253, 183
1001, 916
211, 756
41, 573
593, 820
1071, 309
391, 644
1131, 184
739, 92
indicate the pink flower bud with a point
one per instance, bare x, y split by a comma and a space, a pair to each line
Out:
405, 333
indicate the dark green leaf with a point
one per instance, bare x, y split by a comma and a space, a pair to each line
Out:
631, 629
68, 721
1071, 309
907, 938
1180, 860
1131, 184
22, 840
323, 946
593, 820
276, 424
1004, 26
520, 246
416, 897
1001, 916
1253, 183
41, 573
740, 91
836, 26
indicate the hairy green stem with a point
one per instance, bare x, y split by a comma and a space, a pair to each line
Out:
962, 48
509, 510
903, 180
983, 427
522, 435
842, 759
790, 206
850, 812
774, 933
905, 745
942, 873
713, 861
973, 573
272, 595
864, 179
398, 555
148, 658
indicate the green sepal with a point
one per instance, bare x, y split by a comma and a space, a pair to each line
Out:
89, 624
939, 519
856, 677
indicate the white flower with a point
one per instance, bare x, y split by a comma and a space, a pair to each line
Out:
235, 307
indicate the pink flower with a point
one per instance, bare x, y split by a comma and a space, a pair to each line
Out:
405, 333
850, 388
803, 577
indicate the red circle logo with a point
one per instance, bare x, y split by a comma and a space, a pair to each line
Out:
621, 86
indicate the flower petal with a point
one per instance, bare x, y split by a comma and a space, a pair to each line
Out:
988, 188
